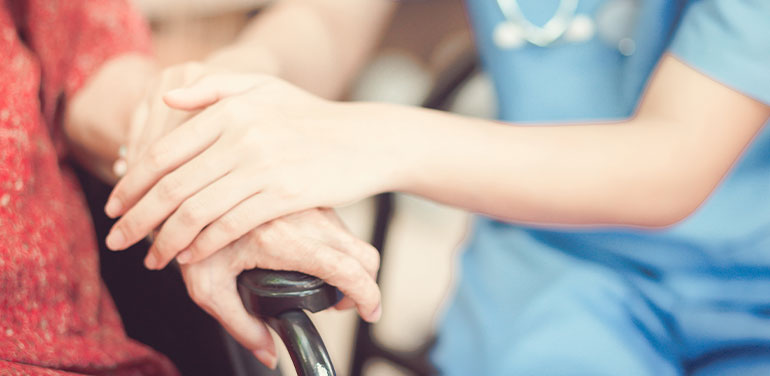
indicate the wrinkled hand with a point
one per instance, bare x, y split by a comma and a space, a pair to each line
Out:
314, 242
262, 150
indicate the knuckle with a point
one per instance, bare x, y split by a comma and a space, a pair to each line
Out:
254, 236
169, 188
347, 270
261, 238
203, 245
372, 257
229, 224
130, 227
207, 243
189, 213
162, 247
325, 266
156, 157
196, 249
167, 245
270, 250
200, 292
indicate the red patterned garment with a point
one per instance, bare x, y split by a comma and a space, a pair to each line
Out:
56, 317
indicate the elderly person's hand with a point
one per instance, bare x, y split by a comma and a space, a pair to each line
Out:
314, 242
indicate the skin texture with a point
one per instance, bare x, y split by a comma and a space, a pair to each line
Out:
337, 36
96, 119
320, 245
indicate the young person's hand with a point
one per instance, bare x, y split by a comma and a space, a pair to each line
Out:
266, 150
152, 118
314, 242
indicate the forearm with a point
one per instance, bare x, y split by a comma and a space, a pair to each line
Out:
636, 173
651, 170
318, 45
97, 117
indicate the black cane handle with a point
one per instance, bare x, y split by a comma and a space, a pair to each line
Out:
280, 298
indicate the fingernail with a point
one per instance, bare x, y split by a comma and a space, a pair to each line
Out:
112, 208
267, 358
116, 240
375, 316
151, 262
184, 257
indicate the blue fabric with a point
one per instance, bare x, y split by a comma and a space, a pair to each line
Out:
692, 299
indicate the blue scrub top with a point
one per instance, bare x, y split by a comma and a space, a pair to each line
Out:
670, 283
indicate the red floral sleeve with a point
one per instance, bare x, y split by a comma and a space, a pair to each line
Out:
56, 317
73, 38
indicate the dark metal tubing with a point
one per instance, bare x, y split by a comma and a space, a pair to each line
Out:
305, 345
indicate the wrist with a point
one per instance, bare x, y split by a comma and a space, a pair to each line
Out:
96, 118
389, 136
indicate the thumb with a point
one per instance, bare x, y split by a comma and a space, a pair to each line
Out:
209, 90
251, 332
214, 290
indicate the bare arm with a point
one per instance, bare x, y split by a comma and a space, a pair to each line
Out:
651, 170
318, 45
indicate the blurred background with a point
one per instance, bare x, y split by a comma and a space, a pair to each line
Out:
426, 39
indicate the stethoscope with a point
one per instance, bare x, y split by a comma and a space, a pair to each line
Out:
516, 29
613, 20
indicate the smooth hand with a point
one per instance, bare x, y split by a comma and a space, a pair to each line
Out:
152, 118
314, 242
263, 150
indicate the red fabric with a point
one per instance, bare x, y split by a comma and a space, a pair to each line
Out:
56, 317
